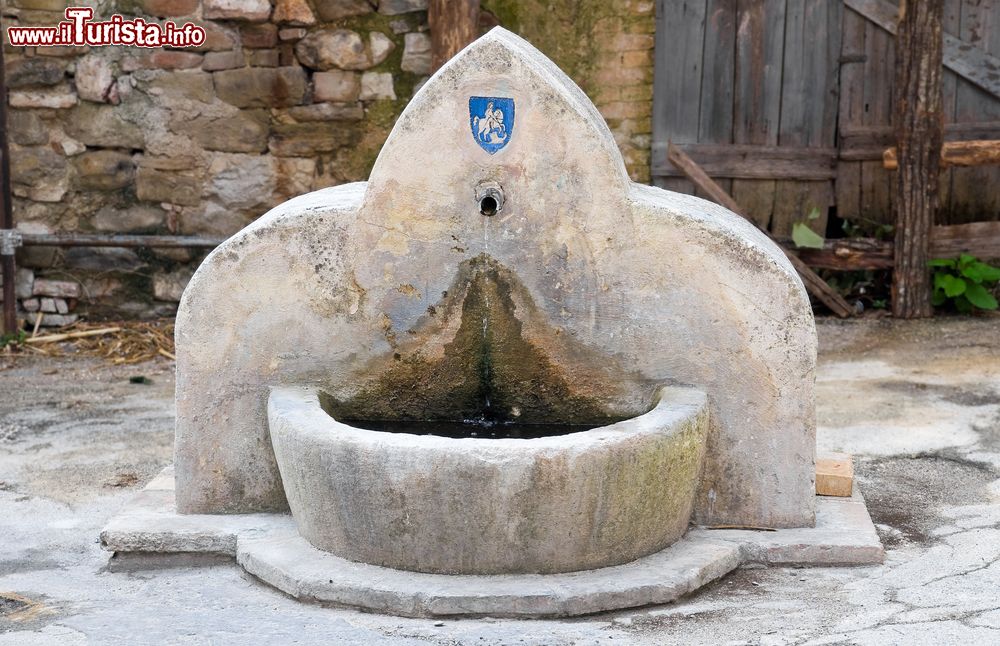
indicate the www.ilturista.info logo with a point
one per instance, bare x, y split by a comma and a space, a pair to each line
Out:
78, 29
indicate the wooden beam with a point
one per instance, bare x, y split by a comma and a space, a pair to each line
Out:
868, 143
968, 61
752, 161
956, 153
813, 283
453, 25
980, 239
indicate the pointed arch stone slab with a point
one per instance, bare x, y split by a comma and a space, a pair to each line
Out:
625, 287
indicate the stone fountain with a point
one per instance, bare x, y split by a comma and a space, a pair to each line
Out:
497, 378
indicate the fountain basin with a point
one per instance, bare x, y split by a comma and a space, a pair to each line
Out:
581, 501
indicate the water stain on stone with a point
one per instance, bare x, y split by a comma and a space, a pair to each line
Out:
488, 372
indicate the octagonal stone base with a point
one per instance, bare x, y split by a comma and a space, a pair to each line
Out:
269, 547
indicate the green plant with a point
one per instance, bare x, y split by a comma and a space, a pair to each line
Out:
12, 338
803, 236
965, 282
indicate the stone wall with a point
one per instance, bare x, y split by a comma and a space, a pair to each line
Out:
284, 97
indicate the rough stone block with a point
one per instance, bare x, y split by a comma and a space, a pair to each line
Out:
26, 129
261, 87
35, 166
247, 10
47, 305
307, 139
57, 98
94, 80
328, 112
167, 59
336, 85
56, 288
103, 126
103, 259
244, 131
330, 10
259, 36
170, 286
324, 49
26, 72
218, 61
36, 257
51, 320
417, 56
395, 7
166, 8
104, 170
195, 85
292, 33
154, 185
24, 280
241, 181
30, 304
380, 46
376, 86
134, 219
218, 38
293, 12
264, 58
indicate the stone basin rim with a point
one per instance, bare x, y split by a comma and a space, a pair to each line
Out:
672, 405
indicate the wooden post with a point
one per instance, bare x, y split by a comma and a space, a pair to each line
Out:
454, 24
919, 136
7, 267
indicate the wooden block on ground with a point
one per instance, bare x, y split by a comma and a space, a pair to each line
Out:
834, 475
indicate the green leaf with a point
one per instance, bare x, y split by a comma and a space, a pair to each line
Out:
963, 305
803, 236
942, 262
981, 272
951, 285
938, 298
813, 214
965, 260
979, 297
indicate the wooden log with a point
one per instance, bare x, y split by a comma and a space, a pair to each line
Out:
813, 283
453, 25
849, 254
956, 153
52, 338
981, 239
919, 135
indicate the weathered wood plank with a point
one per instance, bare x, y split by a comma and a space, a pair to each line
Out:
971, 199
876, 186
760, 40
980, 239
715, 119
851, 110
835, 475
680, 36
453, 25
968, 61
808, 106
746, 161
956, 153
813, 283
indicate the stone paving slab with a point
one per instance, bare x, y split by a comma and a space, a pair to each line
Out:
269, 547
